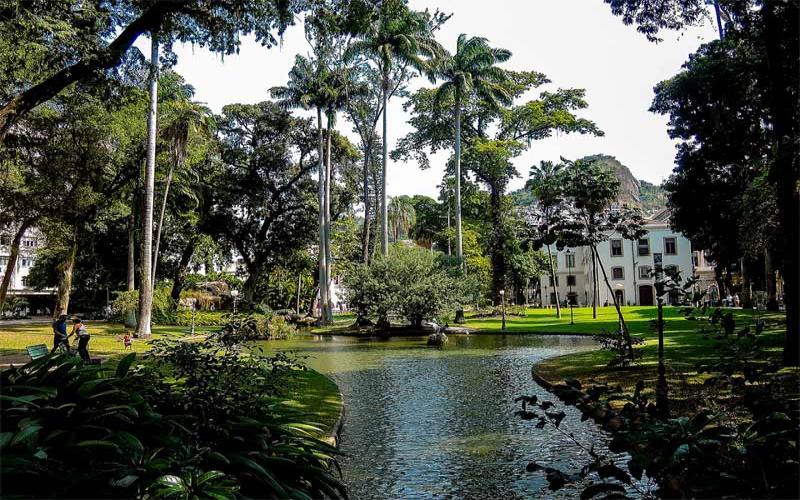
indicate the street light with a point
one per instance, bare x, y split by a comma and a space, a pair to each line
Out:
503, 301
570, 265
234, 294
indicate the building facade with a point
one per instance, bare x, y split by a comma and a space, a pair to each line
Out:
628, 264
38, 301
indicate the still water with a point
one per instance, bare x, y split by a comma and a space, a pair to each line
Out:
424, 422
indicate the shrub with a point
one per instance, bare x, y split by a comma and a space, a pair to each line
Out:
410, 282
198, 421
163, 306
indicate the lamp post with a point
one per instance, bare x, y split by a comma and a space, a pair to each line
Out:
570, 265
234, 294
503, 301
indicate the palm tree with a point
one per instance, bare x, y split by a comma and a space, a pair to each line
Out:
397, 36
401, 215
545, 181
146, 289
307, 89
472, 70
186, 118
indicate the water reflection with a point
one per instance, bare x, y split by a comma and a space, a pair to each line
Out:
423, 422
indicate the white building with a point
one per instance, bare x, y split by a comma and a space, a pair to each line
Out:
29, 245
628, 264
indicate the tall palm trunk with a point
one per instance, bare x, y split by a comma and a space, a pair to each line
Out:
553, 279
146, 288
130, 318
459, 243
367, 218
328, 182
65, 272
12, 260
323, 266
595, 289
384, 199
771, 282
167, 183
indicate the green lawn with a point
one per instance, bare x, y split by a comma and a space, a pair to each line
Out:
106, 338
684, 348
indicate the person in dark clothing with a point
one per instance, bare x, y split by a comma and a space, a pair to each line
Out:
79, 329
60, 333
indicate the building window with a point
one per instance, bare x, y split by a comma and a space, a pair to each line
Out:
670, 246
570, 280
25, 282
644, 246
5, 240
570, 260
552, 298
29, 243
617, 273
671, 270
3, 263
644, 272
551, 281
616, 248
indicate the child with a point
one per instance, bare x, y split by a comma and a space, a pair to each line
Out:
126, 341
79, 329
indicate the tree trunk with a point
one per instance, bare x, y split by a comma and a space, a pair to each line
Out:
625, 332
782, 59
328, 183
384, 207
167, 184
555, 283
595, 289
130, 317
146, 287
367, 217
459, 241
497, 251
65, 278
769, 279
131, 271
323, 266
183, 266
22, 103
12, 261
299, 287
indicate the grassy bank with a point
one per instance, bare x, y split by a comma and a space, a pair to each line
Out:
316, 396
684, 348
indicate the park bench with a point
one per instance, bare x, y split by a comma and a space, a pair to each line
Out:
37, 351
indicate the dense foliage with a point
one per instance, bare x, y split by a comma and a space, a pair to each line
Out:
411, 283
198, 420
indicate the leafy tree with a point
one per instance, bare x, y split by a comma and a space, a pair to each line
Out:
471, 72
497, 133
547, 183
263, 202
490, 161
396, 36
773, 29
62, 43
590, 191
411, 282
308, 88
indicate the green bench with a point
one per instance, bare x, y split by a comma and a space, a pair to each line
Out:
37, 351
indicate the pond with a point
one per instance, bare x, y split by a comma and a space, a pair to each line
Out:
425, 422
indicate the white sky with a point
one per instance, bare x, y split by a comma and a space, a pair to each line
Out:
576, 43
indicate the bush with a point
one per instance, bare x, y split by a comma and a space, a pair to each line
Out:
410, 282
199, 421
202, 318
163, 306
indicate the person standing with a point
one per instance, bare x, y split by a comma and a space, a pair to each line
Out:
60, 333
79, 329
